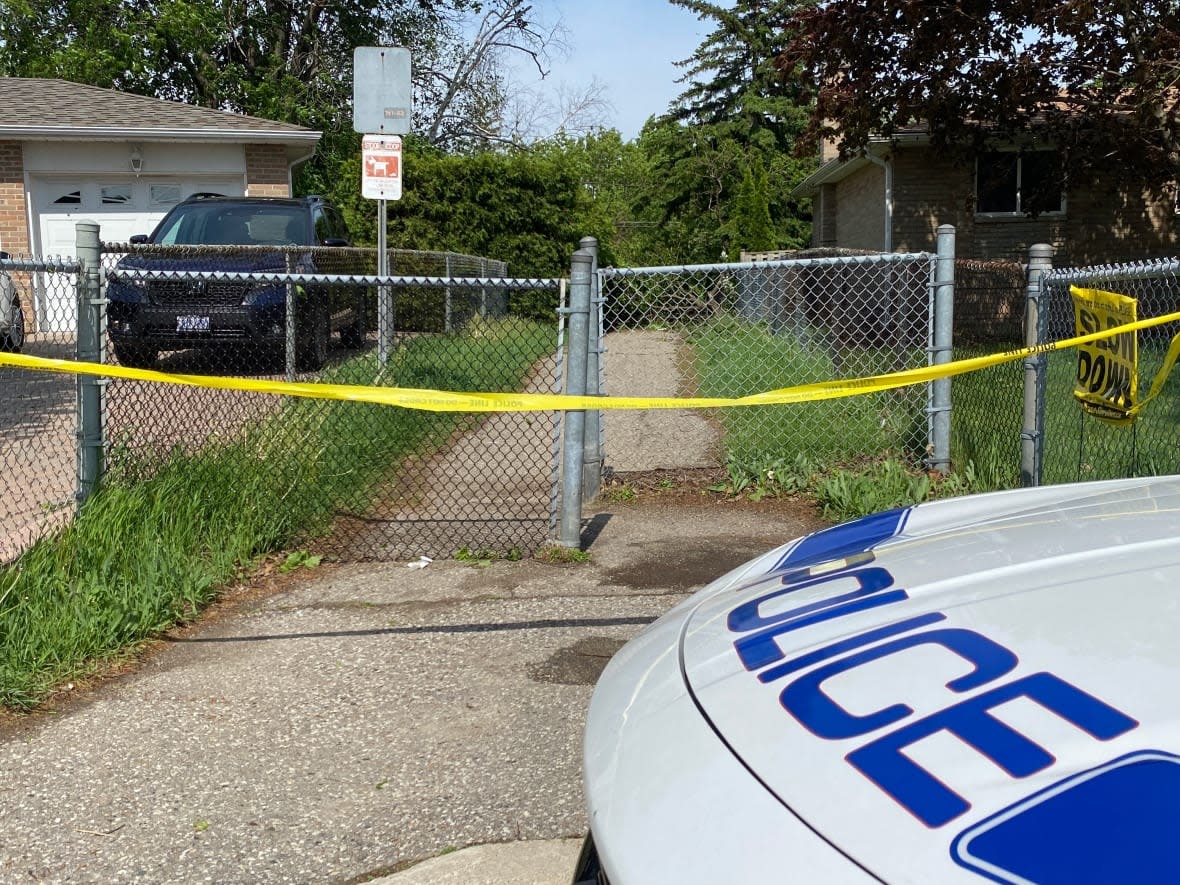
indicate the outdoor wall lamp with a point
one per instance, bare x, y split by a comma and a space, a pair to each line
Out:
136, 160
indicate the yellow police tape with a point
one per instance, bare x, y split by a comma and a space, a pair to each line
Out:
446, 401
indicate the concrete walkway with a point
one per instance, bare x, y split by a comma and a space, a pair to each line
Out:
652, 363
356, 719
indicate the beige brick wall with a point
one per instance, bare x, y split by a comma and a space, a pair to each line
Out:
860, 219
14, 221
267, 173
1098, 226
926, 195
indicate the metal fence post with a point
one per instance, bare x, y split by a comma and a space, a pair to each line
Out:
592, 472
573, 455
89, 348
944, 318
1040, 261
384, 294
483, 290
448, 320
291, 329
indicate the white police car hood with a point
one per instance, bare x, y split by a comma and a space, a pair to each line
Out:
983, 686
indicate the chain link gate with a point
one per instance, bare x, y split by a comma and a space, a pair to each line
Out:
392, 483
728, 330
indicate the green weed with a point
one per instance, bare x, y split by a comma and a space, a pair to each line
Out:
555, 554
299, 559
166, 531
482, 556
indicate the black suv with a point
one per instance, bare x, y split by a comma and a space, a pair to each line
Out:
146, 316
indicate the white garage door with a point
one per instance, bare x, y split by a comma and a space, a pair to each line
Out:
122, 206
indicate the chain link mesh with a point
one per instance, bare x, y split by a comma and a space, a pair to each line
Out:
38, 410
1075, 446
735, 329
988, 405
382, 482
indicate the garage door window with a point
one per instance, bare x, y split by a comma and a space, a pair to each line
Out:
164, 194
73, 198
116, 194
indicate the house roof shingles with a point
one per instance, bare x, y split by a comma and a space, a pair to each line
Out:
45, 107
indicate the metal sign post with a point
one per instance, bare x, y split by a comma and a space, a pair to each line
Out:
381, 111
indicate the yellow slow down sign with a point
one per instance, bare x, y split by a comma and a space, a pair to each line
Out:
1107, 383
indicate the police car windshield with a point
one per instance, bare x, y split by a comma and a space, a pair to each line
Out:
228, 224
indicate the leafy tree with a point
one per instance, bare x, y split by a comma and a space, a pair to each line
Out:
1097, 80
526, 207
288, 60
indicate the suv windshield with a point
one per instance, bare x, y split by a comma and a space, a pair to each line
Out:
216, 224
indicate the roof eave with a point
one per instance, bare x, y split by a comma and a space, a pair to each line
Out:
836, 170
123, 133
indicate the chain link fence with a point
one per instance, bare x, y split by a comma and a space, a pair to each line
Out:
384, 482
1076, 446
392, 483
38, 410
729, 330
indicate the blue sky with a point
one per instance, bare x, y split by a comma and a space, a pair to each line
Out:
630, 46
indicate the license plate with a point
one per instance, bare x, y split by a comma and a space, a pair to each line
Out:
192, 324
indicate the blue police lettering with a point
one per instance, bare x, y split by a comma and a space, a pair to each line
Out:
881, 760
931, 801
759, 649
805, 700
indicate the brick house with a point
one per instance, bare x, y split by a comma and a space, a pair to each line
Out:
70, 152
895, 195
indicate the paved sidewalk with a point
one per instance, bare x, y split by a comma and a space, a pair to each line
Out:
359, 720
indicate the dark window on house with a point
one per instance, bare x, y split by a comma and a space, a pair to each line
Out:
1025, 183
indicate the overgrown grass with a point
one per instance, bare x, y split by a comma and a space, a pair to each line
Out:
853, 460
1078, 447
735, 359
987, 419
855, 455
847, 490
165, 532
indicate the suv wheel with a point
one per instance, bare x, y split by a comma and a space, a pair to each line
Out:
312, 341
14, 340
135, 356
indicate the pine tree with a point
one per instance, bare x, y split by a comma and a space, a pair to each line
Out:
732, 75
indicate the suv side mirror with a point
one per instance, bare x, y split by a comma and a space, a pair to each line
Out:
139, 239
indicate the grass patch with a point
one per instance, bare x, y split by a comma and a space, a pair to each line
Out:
988, 416
167, 530
482, 556
860, 454
736, 359
845, 491
555, 554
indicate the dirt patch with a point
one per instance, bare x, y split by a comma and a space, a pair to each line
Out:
680, 567
578, 664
